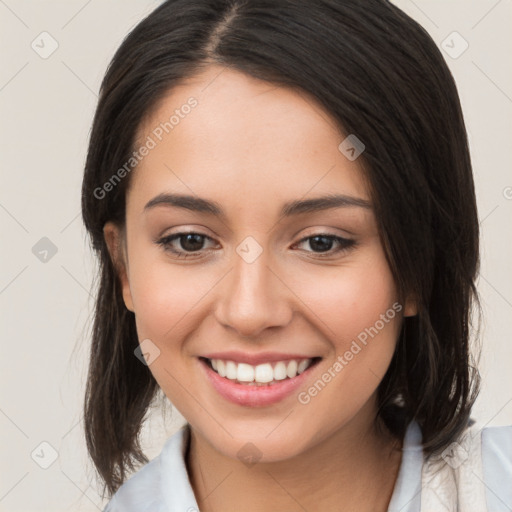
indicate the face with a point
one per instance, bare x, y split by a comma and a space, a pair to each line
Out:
259, 281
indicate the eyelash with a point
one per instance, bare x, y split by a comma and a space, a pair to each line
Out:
345, 244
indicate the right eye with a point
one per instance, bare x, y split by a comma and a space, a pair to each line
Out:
190, 242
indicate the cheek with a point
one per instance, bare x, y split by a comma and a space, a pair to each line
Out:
168, 298
356, 308
163, 295
364, 319
349, 299
167, 302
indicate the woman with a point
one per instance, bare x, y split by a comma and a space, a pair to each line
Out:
281, 198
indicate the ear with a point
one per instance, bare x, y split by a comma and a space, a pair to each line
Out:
114, 240
411, 306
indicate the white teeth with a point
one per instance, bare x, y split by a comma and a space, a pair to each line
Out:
302, 366
280, 371
221, 368
262, 373
291, 369
231, 371
245, 372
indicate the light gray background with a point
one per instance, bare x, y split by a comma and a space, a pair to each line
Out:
46, 110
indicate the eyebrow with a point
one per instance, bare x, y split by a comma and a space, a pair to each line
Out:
289, 209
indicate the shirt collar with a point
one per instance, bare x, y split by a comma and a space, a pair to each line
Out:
407, 492
178, 494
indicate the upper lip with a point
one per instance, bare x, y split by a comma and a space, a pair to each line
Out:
255, 359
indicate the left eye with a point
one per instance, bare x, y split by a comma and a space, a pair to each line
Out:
192, 244
320, 241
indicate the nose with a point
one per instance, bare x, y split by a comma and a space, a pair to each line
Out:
253, 297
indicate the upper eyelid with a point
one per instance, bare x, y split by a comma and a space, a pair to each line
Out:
317, 231
176, 236
196, 232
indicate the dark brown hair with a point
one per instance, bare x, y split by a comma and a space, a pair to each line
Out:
381, 77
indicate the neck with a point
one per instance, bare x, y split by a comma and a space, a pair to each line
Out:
354, 469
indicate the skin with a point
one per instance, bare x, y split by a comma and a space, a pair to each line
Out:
251, 147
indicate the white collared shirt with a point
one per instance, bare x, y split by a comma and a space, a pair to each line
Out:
474, 474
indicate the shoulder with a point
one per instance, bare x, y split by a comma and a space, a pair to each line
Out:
142, 492
472, 473
498, 441
493, 445
497, 466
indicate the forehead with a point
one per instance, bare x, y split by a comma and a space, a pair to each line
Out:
227, 135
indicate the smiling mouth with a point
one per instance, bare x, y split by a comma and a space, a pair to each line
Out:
266, 374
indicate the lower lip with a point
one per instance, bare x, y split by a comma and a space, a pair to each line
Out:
254, 396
